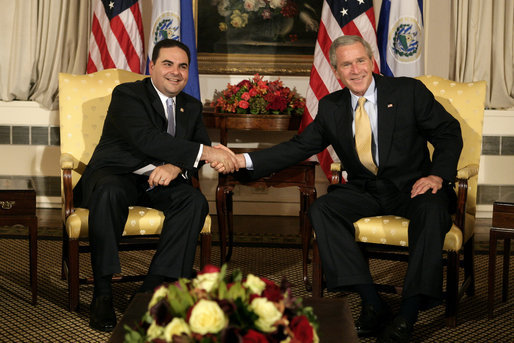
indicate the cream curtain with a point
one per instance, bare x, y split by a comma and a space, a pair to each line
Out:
45, 37
483, 47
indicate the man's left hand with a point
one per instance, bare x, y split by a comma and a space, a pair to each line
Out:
425, 183
163, 175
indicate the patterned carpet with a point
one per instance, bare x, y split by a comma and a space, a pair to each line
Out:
50, 321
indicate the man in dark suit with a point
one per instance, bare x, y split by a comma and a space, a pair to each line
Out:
398, 178
152, 141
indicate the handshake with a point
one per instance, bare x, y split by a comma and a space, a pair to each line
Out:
222, 159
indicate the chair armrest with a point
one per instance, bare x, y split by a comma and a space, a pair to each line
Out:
336, 168
461, 183
462, 196
467, 172
68, 164
67, 161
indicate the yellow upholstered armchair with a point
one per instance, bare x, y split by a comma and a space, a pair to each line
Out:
83, 103
465, 101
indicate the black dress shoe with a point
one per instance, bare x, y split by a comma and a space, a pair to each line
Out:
371, 320
102, 316
398, 331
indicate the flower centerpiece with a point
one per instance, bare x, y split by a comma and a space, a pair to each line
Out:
216, 307
259, 96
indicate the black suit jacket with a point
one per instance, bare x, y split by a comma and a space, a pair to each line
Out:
134, 135
408, 117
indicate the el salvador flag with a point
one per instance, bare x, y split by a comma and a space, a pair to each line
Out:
401, 38
174, 20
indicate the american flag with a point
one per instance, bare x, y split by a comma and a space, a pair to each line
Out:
338, 17
117, 37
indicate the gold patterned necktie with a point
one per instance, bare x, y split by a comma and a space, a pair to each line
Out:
363, 137
171, 114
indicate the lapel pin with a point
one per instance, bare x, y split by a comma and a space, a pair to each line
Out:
389, 105
181, 109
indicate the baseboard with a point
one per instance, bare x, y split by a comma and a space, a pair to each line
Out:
484, 211
48, 202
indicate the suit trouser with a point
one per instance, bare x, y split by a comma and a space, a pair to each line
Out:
184, 208
333, 215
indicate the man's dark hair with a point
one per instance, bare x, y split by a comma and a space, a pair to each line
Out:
169, 43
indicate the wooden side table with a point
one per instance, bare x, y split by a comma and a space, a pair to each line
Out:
18, 206
503, 228
301, 175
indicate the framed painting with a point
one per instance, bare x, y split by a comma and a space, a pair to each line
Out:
272, 37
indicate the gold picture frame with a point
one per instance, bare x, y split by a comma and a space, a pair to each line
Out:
250, 63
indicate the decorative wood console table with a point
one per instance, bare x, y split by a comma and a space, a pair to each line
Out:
502, 228
18, 206
301, 175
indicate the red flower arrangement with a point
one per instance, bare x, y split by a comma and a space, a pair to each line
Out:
258, 96
215, 307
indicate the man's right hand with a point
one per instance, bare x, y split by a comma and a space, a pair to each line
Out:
223, 159
220, 168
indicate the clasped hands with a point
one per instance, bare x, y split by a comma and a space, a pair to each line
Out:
222, 159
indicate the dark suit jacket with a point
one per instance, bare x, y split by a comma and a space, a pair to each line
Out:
134, 135
408, 117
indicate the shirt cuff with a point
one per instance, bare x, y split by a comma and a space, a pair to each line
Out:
248, 160
197, 160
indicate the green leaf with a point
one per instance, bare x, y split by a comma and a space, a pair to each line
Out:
237, 291
180, 299
133, 336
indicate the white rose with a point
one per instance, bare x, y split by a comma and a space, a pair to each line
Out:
155, 331
250, 5
160, 293
206, 281
177, 326
315, 338
254, 284
222, 8
276, 3
267, 312
207, 317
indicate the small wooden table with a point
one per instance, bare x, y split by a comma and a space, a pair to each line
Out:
18, 206
334, 316
502, 228
301, 175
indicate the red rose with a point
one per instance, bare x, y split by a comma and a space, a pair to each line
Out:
245, 96
243, 104
302, 329
273, 293
253, 336
244, 83
209, 268
278, 104
253, 92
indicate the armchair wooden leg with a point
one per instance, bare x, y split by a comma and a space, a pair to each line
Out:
317, 272
205, 249
469, 266
65, 254
73, 274
452, 288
